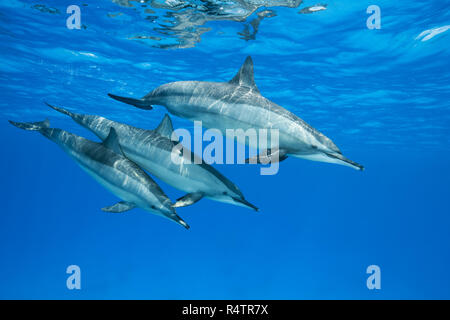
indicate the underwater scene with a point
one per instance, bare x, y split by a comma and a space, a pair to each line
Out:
225, 149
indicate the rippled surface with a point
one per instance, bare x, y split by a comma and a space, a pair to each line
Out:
184, 20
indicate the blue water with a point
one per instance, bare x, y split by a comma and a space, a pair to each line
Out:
382, 95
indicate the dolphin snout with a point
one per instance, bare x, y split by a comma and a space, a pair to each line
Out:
175, 217
246, 203
339, 157
183, 223
180, 221
169, 213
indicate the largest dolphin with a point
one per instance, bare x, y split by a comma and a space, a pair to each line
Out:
152, 150
106, 164
238, 104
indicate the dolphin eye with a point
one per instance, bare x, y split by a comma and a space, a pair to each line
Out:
314, 147
153, 207
225, 193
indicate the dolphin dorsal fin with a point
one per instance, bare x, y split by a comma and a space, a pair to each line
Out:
112, 142
245, 76
165, 128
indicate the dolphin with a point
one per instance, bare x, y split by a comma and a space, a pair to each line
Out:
106, 163
238, 104
152, 150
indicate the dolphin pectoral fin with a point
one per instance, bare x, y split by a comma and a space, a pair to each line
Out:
188, 199
268, 156
121, 206
139, 103
253, 160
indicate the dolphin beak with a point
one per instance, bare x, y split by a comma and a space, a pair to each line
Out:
346, 161
184, 224
180, 221
246, 203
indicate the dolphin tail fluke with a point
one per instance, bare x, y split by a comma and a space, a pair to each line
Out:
138, 103
63, 111
33, 126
